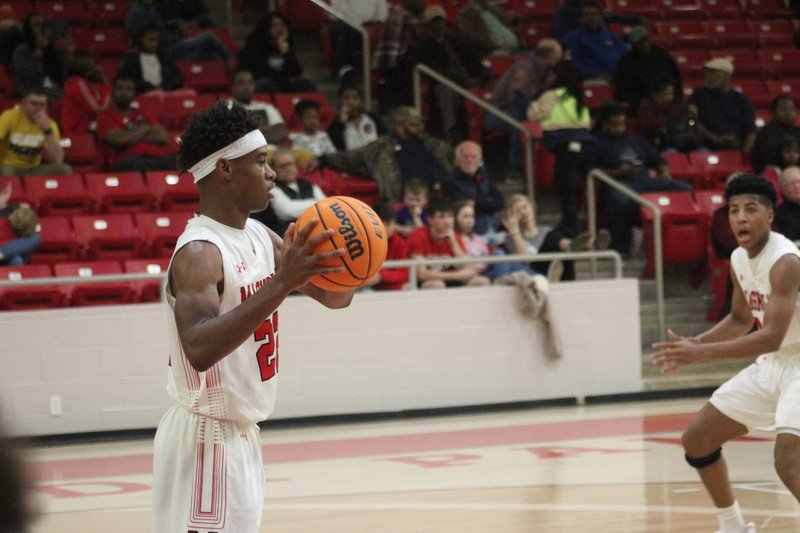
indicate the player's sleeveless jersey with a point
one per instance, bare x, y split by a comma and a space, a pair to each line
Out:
242, 386
753, 277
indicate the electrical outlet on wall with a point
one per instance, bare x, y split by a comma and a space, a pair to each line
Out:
55, 405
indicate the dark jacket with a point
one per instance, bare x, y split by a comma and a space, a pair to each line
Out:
171, 77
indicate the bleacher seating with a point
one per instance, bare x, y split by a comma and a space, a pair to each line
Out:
113, 237
119, 192
205, 76
161, 231
58, 242
146, 290
95, 293
683, 227
58, 195
28, 297
173, 191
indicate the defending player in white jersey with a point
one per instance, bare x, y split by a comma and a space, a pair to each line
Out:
227, 277
765, 269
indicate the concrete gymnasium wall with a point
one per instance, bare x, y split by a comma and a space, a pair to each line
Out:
106, 366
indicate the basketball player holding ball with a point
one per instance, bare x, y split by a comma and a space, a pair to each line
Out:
227, 277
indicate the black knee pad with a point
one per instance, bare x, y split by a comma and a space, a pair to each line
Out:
702, 462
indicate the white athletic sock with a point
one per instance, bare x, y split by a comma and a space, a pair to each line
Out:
731, 519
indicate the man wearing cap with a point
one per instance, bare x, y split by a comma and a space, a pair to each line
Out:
725, 117
391, 160
451, 56
644, 63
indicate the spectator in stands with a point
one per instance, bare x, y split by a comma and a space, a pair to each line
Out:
270, 55
149, 66
664, 121
346, 42
449, 55
354, 127
725, 117
628, 159
569, 12
475, 244
36, 61
10, 33
470, 181
515, 90
488, 28
524, 236
393, 159
439, 240
412, 215
173, 36
787, 215
765, 148
28, 135
132, 139
564, 117
291, 196
185, 16
401, 32
644, 63
243, 90
789, 148
595, 49
86, 93
18, 237
311, 138
391, 278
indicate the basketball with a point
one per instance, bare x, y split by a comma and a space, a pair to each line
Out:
358, 230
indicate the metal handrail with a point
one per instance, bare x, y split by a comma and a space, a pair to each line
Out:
365, 49
421, 68
394, 263
657, 236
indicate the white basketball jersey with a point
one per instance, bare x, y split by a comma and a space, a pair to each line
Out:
241, 386
753, 277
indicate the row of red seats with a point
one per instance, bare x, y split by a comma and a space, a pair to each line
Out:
108, 237
81, 294
96, 13
686, 237
106, 192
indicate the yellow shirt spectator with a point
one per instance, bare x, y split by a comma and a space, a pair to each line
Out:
21, 140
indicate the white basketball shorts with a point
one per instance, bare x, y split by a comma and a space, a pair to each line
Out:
208, 475
765, 395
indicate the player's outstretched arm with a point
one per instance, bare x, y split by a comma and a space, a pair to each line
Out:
196, 281
284, 248
785, 281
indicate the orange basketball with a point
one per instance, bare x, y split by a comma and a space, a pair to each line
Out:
358, 230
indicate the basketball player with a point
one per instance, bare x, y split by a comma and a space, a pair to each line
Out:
227, 276
766, 395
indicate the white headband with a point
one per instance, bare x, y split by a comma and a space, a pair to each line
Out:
238, 148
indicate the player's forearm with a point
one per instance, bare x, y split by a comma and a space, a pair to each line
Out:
212, 339
728, 328
760, 342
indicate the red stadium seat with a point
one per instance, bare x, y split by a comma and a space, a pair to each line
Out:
683, 34
58, 242
746, 63
177, 108
80, 151
109, 237
773, 33
534, 9
690, 62
644, 8
22, 8
59, 195
147, 290
722, 9
790, 86
325, 178
718, 165
768, 9
598, 94
205, 76
781, 63
119, 192
96, 293
173, 191
161, 230
755, 89
683, 226
732, 33
476, 114
361, 187
682, 168
28, 297
534, 32
72, 11
108, 13
151, 103
680, 9
103, 42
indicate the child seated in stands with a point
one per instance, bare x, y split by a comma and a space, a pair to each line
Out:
311, 138
391, 278
475, 245
439, 240
788, 156
412, 214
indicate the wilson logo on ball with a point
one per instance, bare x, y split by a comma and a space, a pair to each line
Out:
347, 230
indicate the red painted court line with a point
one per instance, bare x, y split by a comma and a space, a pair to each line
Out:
127, 465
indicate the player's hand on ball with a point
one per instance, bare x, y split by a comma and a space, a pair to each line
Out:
300, 262
677, 352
